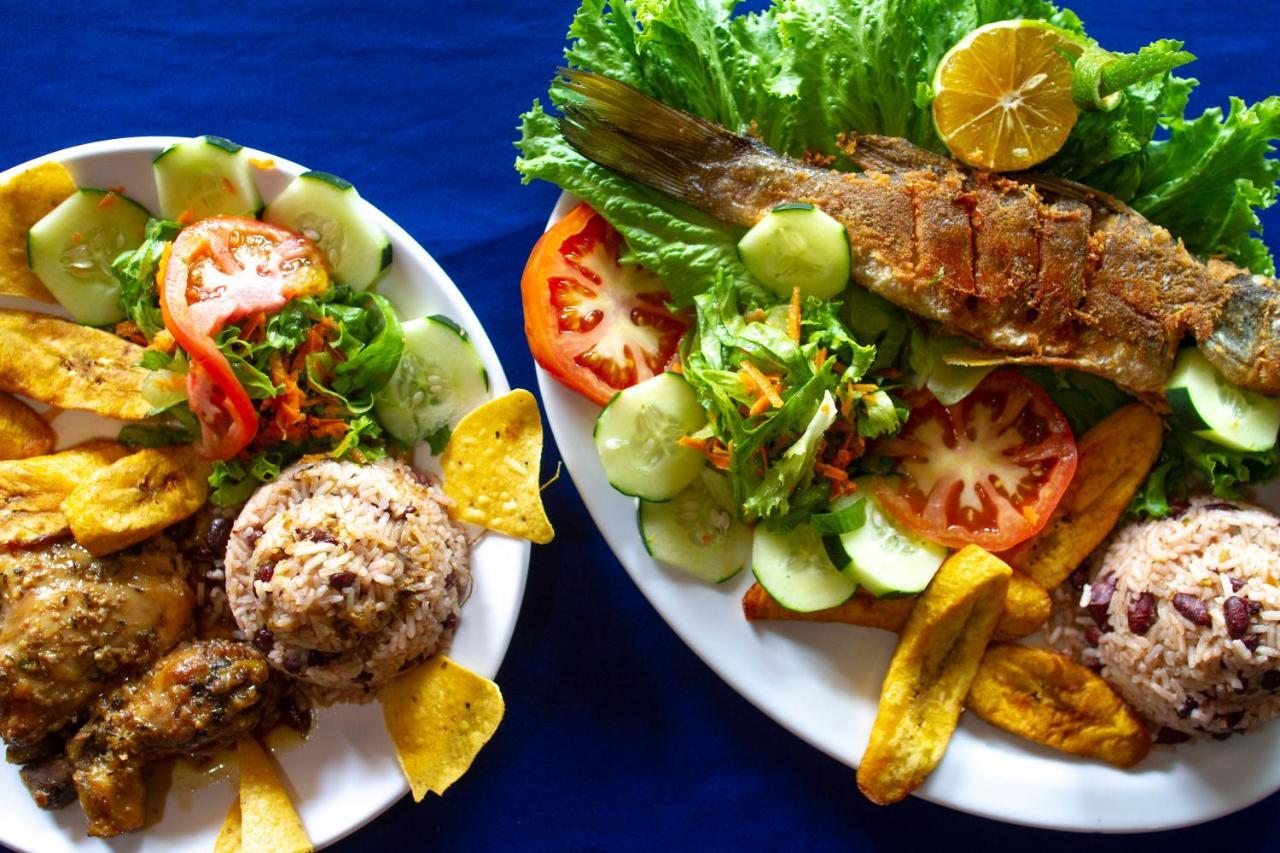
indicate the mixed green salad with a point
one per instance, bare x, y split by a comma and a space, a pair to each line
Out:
840, 367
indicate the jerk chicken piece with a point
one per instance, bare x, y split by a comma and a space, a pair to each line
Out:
72, 625
202, 696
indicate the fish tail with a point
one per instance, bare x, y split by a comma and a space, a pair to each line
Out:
1244, 344
628, 132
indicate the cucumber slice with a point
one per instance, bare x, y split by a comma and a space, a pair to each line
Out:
793, 567
439, 379
797, 245
206, 176
697, 530
328, 211
637, 436
71, 249
880, 556
1204, 402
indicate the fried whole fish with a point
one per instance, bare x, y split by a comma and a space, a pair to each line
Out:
1035, 270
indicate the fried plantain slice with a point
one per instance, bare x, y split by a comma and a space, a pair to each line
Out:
23, 433
71, 366
1026, 608
136, 497
1115, 457
1045, 697
32, 490
930, 674
24, 200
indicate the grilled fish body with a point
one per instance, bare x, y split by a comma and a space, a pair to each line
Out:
1034, 270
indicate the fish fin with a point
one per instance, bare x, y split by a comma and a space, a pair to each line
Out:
891, 154
640, 138
1067, 189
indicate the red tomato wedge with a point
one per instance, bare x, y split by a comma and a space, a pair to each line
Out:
218, 271
595, 325
987, 471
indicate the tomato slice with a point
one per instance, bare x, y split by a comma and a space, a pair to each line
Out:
595, 325
988, 470
218, 271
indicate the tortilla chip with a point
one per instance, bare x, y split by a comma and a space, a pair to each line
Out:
269, 822
228, 840
71, 366
439, 715
32, 490
24, 201
136, 497
929, 677
23, 433
491, 468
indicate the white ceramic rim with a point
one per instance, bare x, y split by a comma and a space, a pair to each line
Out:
503, 557
824, 651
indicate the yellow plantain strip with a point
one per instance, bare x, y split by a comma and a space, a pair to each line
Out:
24, 201
136, 497
32, 490
1026, 608
1044, 697
70, 366
23, 433
1115, 457
930, 674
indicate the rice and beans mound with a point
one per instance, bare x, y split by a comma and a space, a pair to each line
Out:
345, 575
1182, 616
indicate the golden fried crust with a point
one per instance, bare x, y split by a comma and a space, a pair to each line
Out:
23, 433
70, 366
931, 672
24, 201
1026, 608
136, 497
1114, 460
1044, 697
32, 490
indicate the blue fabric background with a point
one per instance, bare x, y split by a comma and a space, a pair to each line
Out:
616, 736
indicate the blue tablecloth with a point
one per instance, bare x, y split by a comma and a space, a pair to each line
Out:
616, 736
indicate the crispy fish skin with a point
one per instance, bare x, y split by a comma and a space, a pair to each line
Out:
70, 366
1047, 698
1115, 457
136, 497
32, 490
23, 433
24, 201
1026, 608
930, 674
1038, 270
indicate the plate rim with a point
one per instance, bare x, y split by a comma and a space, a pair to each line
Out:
549, 389
498, 384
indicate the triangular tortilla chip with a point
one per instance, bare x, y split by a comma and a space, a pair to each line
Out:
269, 822
228, 840
439, 715
491, 468
24, 201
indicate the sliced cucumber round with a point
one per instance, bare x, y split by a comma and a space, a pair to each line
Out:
439, 379
71, 249
798, 245
793, 567
697, 530
879, 555
1202, 401
328, 211
203, 177
638, 438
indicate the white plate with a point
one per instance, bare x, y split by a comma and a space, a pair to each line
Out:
822, 682
346, 773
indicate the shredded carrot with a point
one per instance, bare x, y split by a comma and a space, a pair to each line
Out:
107, 200
763, 384
846, 407
819, 358
186, 217
674, 367
793, 316
761, 406
118, 189
755, 315
129, 330
698, 444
